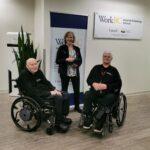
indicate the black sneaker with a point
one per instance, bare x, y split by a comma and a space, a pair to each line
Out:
67, 121
62, 127
98, 130
87, 122
98, 127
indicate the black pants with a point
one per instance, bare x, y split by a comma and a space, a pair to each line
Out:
102, 100
60, 103
76, 87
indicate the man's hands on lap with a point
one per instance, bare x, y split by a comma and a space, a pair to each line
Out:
55, 92
99, 86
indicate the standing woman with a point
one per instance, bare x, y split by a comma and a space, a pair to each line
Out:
69, 60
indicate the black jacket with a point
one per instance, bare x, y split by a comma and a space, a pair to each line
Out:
61, 56
35, 85
109, 76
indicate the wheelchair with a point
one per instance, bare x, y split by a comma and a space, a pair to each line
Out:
116, 112
28, 114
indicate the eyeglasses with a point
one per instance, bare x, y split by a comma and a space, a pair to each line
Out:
105, 56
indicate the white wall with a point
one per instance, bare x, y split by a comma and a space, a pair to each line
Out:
131, 57
14, 13
39, 25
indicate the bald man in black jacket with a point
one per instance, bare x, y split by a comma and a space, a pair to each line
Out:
105, 84
35, 85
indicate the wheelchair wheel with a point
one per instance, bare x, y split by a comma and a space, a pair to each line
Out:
110, 128
81, 121
26, 113
105, 130
121, 110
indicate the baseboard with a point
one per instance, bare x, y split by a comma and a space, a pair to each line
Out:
3, 91
137, 93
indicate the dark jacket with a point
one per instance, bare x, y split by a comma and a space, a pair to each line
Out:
61, 56
109, 76
35, 85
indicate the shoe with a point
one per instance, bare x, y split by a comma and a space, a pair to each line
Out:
62, 127
99, 131
87, 124
67, 121
49, 131
98, 127
79, 110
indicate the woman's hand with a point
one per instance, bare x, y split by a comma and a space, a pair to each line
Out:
70, 59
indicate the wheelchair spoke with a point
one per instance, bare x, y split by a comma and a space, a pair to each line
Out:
17, 120
16, 115
15, 107
121, 112
28, 127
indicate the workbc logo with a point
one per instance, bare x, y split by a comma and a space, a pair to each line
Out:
110, 19
59, 41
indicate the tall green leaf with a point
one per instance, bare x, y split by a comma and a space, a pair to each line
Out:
25, 50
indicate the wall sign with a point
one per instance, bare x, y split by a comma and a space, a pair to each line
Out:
118, 26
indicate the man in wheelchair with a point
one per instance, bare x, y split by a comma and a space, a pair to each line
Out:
105, 84
35, 85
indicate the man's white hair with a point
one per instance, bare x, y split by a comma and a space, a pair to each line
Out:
30, 60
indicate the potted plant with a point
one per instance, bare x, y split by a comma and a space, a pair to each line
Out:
25, 50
